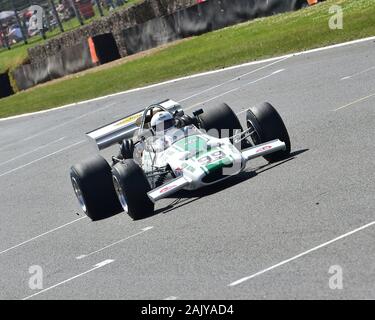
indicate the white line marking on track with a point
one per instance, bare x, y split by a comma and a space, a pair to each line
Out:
97, 266
340, 45
41, 132
42, 158
67, 122
171, 298
233, 79
114, 243
41, 235
242, 280
355, 102
357, 74
235, 89
32, 151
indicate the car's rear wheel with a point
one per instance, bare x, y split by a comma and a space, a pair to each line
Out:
93, 187
223, 119
267, 125
131, 186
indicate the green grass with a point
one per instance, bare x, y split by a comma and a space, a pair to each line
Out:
261, 38
9, 59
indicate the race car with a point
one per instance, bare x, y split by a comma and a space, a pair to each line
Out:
164, 150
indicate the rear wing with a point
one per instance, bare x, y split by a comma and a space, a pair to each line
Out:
124, 128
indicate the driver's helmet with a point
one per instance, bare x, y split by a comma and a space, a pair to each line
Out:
162, 121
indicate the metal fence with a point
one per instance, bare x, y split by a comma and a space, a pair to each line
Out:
23, 20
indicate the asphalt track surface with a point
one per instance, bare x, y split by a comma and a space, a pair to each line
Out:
271, 233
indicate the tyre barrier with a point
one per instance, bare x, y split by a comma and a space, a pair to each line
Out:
5, 87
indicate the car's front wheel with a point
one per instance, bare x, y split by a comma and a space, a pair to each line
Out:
131, 186
266, 125
93, 187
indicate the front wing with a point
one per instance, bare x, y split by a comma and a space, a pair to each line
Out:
169, 188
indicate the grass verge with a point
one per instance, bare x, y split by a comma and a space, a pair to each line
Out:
261, 38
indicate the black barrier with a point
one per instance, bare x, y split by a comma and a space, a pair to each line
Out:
106, 48
68, 61
5, 86
198, 19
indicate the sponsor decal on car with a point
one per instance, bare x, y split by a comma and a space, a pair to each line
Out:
214, 160
128, 120
212, 157
262, 149
167, 188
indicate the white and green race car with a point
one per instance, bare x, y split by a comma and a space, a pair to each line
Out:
198, 151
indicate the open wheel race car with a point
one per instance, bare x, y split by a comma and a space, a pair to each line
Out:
187, 152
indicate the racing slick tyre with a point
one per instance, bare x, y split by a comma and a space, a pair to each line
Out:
268, 125
131, 186
93, 186
221, 118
